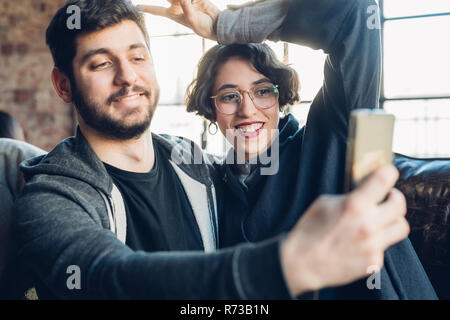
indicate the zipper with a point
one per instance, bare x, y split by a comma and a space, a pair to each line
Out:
113, 212
213, 214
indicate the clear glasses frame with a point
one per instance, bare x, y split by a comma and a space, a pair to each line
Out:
251, 94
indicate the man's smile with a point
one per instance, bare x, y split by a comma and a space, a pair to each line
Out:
129, 100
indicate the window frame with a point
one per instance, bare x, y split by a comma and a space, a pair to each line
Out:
383, 20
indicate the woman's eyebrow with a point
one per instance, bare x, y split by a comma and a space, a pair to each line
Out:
263, 80
227, 86
233, 86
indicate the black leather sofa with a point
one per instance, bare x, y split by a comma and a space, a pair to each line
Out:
426, 186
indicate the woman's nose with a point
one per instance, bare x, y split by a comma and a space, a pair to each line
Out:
247, 107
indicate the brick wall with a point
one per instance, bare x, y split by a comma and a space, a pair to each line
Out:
26, 90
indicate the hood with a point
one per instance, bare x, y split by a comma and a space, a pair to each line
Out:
289, 128
74, 158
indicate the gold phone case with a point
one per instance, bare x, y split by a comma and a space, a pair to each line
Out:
369, 144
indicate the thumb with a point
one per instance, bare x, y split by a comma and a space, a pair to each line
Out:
377, 185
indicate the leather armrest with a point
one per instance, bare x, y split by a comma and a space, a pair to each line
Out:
426, 186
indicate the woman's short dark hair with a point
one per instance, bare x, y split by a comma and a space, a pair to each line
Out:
263, 59
95, 15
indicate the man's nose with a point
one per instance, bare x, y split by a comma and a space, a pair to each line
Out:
247, 107
125, 74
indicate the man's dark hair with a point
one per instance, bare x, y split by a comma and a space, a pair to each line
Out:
263, 59
8, 125
95, 15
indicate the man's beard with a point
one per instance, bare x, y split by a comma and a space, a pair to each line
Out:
92, 115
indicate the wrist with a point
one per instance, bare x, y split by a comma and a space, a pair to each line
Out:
299, 279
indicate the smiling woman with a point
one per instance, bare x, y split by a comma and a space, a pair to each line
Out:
250, 86
253, 119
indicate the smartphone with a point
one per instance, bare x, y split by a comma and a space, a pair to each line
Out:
369, 144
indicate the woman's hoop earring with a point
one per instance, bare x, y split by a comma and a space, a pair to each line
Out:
215, 130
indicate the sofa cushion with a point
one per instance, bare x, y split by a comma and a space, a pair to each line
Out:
426, 186
12, 152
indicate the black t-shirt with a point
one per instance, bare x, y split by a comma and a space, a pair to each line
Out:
159, 215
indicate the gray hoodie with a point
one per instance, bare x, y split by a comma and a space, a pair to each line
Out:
65, 230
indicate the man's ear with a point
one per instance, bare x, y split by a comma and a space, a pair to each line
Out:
62, 85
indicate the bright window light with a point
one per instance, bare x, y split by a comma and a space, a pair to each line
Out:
399, 8
416, 59
422, 127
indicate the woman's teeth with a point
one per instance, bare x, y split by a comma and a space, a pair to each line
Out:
250, 128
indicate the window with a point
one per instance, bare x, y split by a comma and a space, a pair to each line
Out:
415, 57
415, 78
403, 8
415, 86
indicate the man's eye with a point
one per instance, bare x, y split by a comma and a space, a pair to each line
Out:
99, 66
139, 59
230, 97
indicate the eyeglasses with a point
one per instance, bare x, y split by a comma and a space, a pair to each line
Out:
264, 96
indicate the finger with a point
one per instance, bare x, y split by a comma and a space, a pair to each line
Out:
156, 10
395, 232
395, 202
377, 185
389, 211
188, 10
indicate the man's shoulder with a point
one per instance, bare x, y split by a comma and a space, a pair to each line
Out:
62, 149
68, 187
72, 158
